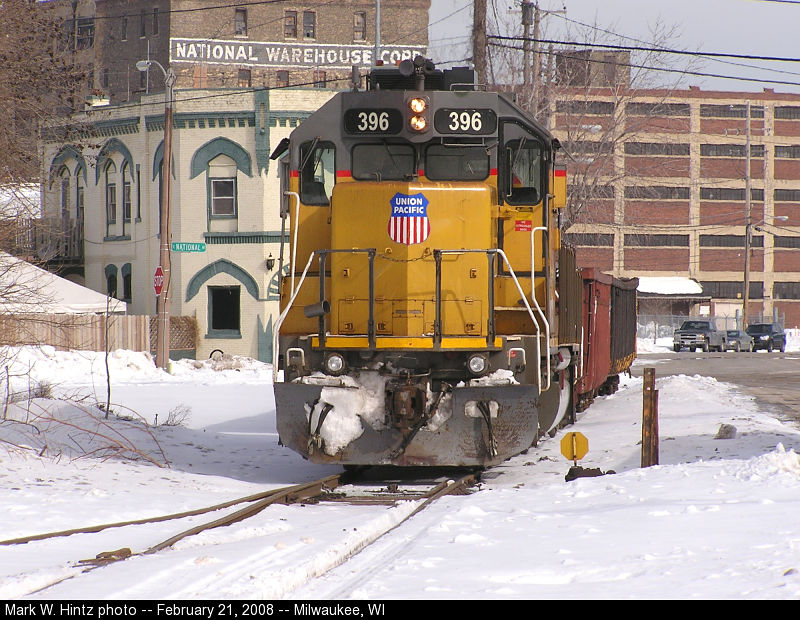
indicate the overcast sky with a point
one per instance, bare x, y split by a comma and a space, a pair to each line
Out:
750, 27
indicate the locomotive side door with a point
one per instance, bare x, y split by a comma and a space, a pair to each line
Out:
522, 167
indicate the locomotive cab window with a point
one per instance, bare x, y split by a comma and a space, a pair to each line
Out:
523, 166
384, 162
456, 162
317, 173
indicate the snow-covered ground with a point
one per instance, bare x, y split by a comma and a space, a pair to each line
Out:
717, 518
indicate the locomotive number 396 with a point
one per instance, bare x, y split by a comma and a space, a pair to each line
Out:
464, 121
373, 121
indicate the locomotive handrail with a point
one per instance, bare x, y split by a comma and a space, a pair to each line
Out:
296, 228
545, 230
276, 331
535, 323
437, 328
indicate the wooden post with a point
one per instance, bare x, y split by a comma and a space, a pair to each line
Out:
649, 419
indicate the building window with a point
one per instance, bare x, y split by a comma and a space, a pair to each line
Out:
644, 240
309, 25
124, 29
604, 108
787, 195
111, 194
143, 24
656, 192
65, 202
127, 283
653, 148
737, 110
319, 79
732, 290
731, 150
787, 242
590, 239
290, 24
789, 112
730, 241
657, 109
223, 196
729, 193
240, 23
244, 78
111, 282
787, 152
359, 26
85, 38
282, 79
126, 193
143, 79
79, 201
224, 311
786, 290
104, 79
155, 22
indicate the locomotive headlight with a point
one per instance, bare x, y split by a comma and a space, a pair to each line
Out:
334, 364
418, 123
477, 364
417, 105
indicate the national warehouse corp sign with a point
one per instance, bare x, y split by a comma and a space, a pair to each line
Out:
285, 55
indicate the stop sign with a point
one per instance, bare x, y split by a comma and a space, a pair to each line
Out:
158, 280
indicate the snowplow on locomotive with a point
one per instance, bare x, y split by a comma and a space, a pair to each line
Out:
429, 313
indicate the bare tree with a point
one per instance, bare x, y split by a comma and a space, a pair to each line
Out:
582, 91
39, 81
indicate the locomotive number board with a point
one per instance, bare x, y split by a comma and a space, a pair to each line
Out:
470, 121
373, 121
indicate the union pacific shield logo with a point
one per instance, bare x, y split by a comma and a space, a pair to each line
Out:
409, 223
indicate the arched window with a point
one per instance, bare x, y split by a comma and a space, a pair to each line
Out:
64, 186
127, 283
111, 280
111, 194
222, 186
127, 202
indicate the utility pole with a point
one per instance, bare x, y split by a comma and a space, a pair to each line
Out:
748, 229
527, 19
377, 32
479, 39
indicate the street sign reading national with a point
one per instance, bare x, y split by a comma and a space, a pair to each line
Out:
158, 280
181, 246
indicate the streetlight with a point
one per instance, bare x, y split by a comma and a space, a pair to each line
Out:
162, 322
748, 233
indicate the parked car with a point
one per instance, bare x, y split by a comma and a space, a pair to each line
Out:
767, 336
739, 341
698, 334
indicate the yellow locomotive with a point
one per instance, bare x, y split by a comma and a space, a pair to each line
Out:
419, 320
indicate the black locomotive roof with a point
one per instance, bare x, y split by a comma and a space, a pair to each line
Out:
392, 78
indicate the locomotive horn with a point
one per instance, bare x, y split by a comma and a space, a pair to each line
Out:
318, 309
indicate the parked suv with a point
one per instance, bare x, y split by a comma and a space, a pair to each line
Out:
767, 336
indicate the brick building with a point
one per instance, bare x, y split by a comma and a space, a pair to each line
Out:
225, 200
668, 172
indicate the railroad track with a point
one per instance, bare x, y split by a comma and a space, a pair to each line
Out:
341, 488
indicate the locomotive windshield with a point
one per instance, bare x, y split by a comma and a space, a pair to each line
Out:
384, 162
524, 158
456, 163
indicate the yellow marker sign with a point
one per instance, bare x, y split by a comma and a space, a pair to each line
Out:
574, 446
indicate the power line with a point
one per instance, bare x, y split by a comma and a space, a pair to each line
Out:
641, 48
662, 69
